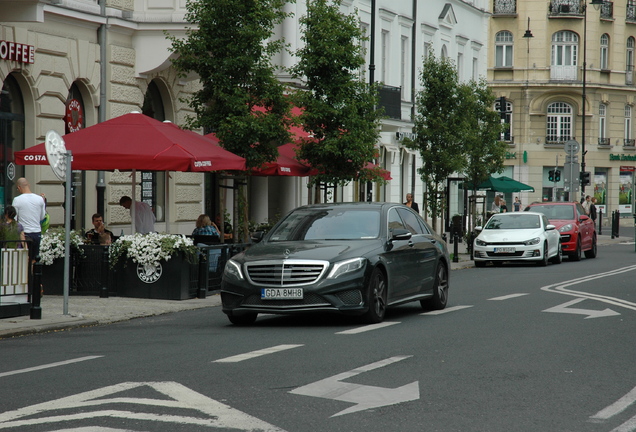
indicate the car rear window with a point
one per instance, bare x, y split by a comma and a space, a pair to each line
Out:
555, 211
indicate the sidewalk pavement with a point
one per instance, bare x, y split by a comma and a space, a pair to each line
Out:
84, 311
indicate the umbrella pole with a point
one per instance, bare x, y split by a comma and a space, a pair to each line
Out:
134, 202
166, 213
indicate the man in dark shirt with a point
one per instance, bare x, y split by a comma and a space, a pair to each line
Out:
99, 234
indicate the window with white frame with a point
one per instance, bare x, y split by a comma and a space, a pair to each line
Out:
602, 124
559, 123
460, 64
629, 141
404, 55
364, 46
629, 61
503, 49
564, 61
385, 55
444, 52
475, 68
604, 59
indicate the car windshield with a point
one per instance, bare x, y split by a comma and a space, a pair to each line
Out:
328, 224
514, 221
565, 212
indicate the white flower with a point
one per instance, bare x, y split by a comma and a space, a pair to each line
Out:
52, 245
150, 248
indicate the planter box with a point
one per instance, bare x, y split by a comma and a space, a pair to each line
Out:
176, 279
53, 278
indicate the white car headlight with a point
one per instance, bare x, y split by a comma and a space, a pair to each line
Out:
533, 241
233, 269
479, 242
347, 266
566, 228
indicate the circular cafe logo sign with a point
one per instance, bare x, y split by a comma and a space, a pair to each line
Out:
74, 115
149, 273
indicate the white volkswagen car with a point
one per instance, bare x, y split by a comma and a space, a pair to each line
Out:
517, 236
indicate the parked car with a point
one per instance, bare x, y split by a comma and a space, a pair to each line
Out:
349, 258
578, 233
517, 236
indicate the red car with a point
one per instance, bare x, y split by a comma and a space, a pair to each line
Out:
578, 233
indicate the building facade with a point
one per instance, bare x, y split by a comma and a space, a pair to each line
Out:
565, 71
69, 64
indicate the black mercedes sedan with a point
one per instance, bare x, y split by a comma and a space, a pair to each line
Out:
349, 258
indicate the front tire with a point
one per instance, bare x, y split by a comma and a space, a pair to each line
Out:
558, 259
480, 263
593, 251
576, 256
376, 297
440, 290
544, 260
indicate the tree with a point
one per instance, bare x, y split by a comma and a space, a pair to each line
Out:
485, 151
230, 49
338, 106
440, 128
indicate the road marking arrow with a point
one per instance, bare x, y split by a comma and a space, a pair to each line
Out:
565, 308
365, 397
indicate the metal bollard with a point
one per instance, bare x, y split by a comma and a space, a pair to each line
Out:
36, 297
202, 289
617, 222
456, 248
103, 292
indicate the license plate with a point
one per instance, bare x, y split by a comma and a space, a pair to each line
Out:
281, 293
505, 250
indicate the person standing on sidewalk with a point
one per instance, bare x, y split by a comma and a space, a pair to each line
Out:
593, 209
31, 210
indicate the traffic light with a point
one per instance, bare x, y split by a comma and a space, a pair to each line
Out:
551, 175
585, 178
557, 176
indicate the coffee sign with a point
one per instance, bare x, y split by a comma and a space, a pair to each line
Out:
17, 52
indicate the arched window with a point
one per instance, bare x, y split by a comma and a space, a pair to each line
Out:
629, 61
11, 138
153, 183
75, 120
559, 123
604, 59
503, 49
565, 46
444, 52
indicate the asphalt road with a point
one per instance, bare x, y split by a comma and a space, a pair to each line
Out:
519, 348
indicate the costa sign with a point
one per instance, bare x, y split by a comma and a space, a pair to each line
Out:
17, 52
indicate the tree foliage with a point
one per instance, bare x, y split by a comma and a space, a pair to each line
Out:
338, 106
230, 49
456, 129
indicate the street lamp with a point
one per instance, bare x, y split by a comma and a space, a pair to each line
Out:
597, 5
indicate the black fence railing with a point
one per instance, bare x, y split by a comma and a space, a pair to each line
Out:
504, 7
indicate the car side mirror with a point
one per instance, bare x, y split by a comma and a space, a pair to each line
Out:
479, 228
257, 236
550, 227
583, 218
401, 234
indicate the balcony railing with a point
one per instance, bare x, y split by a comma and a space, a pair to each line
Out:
607, 10
554, 139
505, 7
604, 142
563, 73
629, 142
631, 13
558, 8
391, 101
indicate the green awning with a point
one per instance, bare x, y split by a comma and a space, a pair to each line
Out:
504, 184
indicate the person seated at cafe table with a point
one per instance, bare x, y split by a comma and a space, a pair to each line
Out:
204, 226
99, 235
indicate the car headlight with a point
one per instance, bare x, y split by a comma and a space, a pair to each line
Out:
348, 266
566, 228
480, 243
233, 269
533, 241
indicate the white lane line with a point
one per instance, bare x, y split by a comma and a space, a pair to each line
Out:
257, 353
509, 296
617, 407
368, 327
628, 426
447, 310
46, 366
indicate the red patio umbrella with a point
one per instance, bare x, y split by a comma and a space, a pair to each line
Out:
137, 142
